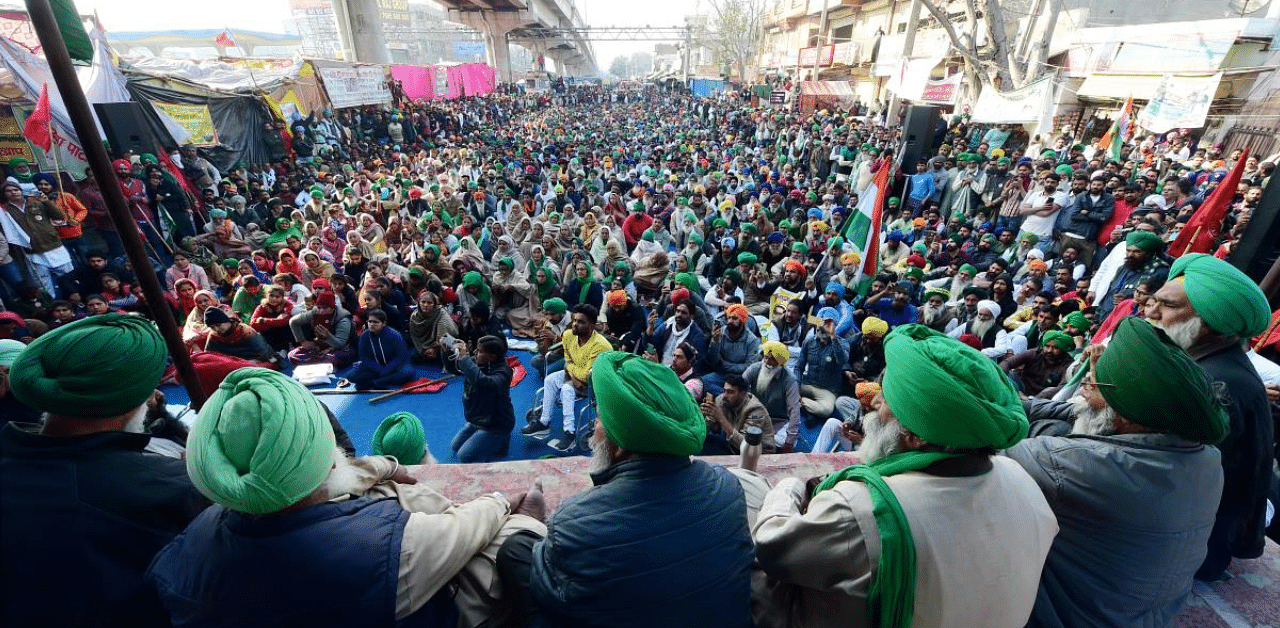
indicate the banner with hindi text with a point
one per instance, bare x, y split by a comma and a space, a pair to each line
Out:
194, 119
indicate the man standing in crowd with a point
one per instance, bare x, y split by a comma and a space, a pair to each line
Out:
582, 345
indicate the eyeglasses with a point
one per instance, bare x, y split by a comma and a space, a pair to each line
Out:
1094, 385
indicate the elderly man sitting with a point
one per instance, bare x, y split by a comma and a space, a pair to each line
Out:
779, 390
1135, 486
985, 326
920, 533
1210, 308
294, 540
660, 539
85, 509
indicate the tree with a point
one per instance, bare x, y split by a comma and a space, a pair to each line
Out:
641, 63
736, 31
621, 66
1001, 60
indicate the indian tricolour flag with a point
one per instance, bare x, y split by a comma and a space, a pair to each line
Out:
863, 228
1113, 141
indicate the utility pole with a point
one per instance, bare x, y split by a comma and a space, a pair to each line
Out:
688, 44
822, 26
908, 45
82, 120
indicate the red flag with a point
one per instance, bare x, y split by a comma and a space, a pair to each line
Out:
1205, 225
37, 128
224, 39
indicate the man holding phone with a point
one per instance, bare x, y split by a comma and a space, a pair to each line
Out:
1040, 209
28, 225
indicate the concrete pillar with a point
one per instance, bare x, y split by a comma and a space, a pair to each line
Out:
493, 26
360, 29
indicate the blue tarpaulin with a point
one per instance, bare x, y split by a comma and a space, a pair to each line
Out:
705, 87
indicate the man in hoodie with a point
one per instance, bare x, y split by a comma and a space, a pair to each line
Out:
384, 356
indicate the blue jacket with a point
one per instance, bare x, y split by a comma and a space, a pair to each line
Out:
385, 351
332, 564
659, 541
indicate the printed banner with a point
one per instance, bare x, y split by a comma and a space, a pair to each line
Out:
352, 86
12, 143
468, 48
67, 154
1179, 102
943, 92
809, 55
1016, 107
194, 119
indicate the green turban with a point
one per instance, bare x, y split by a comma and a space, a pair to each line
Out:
835, 243
400, 435
1173, 394
1228, 301
690, 216
621, 265
800, 247
695, 237
647, 236
983, 409
10, 349
101, 366
261, 443
968, 268
1029, 237
555, 306
689, 281
1060, 338
1064, 171
644, 407
750, 259
749, 227
433, 247
914, 271
1145, 240
1077, 320
720, 222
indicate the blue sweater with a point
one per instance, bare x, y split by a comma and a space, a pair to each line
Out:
384, 351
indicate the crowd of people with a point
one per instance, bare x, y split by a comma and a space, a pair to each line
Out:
1042, 393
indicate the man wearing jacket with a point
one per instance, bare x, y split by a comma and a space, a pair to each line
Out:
1092, 209
384, 356
732, 349
486, 401
660, 540
1134, 486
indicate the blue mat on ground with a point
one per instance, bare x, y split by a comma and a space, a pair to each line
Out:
441, 414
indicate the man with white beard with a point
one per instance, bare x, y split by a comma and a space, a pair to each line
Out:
1210, 308
986, 327
875, 544
966, 308
660, 536
1135, 485
934, 313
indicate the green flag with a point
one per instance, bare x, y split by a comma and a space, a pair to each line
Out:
78, 44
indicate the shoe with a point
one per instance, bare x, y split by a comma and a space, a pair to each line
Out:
567, 442
536, 429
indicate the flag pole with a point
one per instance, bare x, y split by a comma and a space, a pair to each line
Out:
82, 120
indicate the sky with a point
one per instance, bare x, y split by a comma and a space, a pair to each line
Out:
270, 15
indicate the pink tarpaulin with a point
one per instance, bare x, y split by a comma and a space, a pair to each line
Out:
445, 81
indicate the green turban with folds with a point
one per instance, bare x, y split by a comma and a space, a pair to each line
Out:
647, 236
983, 409
1228, 300
555, 305
750, 259
969, 268
1145, 240
1078, 320
695, 237
10, 349
97, 367
913, 271
689, 281
720, 222
261, 443
800, 247
400, 435
1173, 395
1060, 338
644, 407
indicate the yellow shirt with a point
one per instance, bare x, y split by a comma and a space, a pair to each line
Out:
578, 358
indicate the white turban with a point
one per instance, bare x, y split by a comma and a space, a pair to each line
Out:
990, 306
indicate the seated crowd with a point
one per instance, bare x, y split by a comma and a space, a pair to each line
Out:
1041, 392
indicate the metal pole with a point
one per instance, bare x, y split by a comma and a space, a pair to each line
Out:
822, 26
64, 76
688, 43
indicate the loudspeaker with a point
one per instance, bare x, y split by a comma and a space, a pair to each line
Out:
126, 127
1259, 245
917, 135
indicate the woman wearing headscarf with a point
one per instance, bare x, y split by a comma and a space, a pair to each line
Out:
584, 288
204, 258
194, 331
470, 256
183, 268
589, 228
333, 244
314, 268
533, 238
544, 284
473, 289
513, 298
279, 238
506, 247
646, 246
372, 232
185, 291
354, 239
287, 262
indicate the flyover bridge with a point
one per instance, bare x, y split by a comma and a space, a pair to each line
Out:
551, 28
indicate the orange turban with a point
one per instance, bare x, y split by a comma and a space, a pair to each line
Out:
738, 311
1038, 264
866, 393
617, 299
796, 266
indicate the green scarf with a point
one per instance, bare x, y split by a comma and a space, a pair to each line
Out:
891, 600
586, 288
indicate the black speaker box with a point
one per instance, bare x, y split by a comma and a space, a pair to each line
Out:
126, 127
917, 134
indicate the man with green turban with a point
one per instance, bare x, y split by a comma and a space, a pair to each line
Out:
1036, 370
1134, 485
1210, 308
85, 508
929, 478
1143, 263
619, 554
263, 451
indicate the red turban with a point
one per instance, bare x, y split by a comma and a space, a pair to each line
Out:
796, 266
617, 299
679, 295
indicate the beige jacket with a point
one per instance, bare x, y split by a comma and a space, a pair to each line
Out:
446, 544
981, 542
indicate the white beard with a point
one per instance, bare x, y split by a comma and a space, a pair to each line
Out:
138, 422
1091, 422
1183, 334
344, 479
980, 328
933, 314
601, 453
880, 438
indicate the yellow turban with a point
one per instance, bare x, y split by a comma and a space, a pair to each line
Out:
874, 327
777, 351
851, 258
